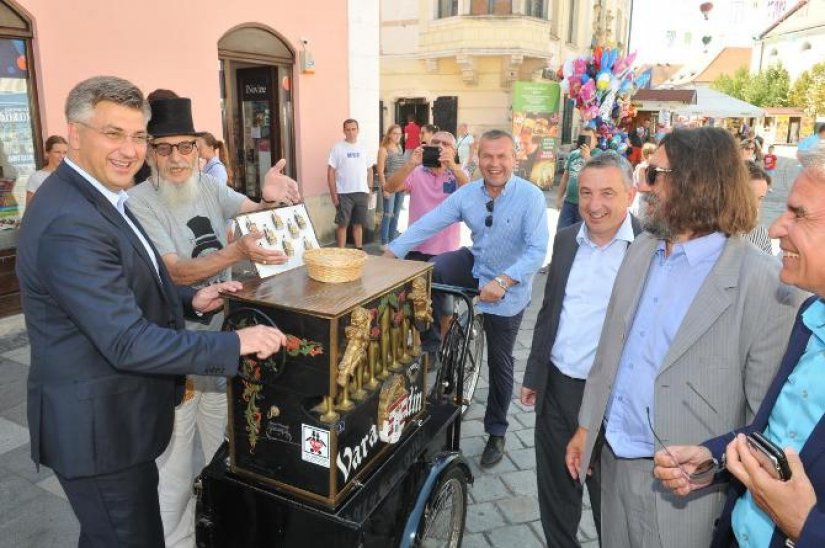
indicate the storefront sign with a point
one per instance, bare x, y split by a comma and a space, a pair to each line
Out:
255, 89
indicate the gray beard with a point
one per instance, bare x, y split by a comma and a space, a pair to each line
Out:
652, 218
176, 195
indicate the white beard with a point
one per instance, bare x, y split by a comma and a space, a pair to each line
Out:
176, 195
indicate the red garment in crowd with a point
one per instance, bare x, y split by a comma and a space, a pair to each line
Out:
413, 133
634, 155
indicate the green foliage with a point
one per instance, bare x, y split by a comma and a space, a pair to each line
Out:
808, 92
733, 85
768, 88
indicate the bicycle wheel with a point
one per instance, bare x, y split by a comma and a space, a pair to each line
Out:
474, 359
475, 351
443, 522
449, 355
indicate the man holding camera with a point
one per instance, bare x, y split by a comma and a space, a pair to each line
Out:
764, 507
430, 176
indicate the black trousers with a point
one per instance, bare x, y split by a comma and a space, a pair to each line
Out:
455, 268
560, 497
118, 509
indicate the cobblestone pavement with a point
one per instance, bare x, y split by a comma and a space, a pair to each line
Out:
503, 508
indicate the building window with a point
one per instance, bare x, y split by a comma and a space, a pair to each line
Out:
738, 12
491, 7
535, 8
20, 142
447, 8
572, 9
555, 15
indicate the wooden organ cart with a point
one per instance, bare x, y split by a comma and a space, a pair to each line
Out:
328, 431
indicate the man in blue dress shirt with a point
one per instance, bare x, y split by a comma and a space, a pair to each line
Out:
762, 510
508, 220
695, 328
586, 259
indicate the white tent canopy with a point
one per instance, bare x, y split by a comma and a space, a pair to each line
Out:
715, 104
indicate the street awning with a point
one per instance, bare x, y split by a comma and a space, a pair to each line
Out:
715, 104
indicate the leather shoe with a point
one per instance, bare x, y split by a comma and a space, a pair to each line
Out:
493, 451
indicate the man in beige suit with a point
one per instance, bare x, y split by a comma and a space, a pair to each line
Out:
695, 328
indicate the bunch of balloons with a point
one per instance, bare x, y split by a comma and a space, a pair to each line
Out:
602, 83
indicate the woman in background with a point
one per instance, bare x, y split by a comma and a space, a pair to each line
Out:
390, 158
56, 149
213, 152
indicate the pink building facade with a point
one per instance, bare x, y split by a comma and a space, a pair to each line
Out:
272, 79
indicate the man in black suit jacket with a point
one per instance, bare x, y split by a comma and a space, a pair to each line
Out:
105, 323
586, 258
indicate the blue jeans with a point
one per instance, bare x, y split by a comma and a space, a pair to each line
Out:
569, 215
455, 268
389, 220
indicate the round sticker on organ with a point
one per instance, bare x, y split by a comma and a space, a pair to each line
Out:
393, 409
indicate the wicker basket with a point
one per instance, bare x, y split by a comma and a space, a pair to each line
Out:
334, 265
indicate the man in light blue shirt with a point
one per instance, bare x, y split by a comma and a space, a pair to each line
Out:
508, 220
694, 332
586, 258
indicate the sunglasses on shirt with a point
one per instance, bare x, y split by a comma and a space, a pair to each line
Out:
488, 221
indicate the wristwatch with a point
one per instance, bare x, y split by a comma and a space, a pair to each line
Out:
500, 281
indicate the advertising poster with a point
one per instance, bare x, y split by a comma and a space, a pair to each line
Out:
536, 130
17, 156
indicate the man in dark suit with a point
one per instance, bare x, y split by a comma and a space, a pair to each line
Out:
586, 257
760, 509
105, 323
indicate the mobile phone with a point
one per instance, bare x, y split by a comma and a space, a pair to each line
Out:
582, 140
431, 153
770, 456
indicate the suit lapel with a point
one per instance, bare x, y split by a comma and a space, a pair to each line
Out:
711, 301
567, 254
814, 447
637, 261
108, 211
162, 277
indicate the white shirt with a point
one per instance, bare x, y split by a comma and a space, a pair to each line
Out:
464, 148
117, 199
349, 160
36, 179
585, 300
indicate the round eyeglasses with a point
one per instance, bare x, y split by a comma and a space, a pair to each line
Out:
165, 149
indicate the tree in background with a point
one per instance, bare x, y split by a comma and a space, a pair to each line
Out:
768, 88
733, 85
808, 92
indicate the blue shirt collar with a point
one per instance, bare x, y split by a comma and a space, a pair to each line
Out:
624, 233
697, 249
814, 318
503, 190
117, 199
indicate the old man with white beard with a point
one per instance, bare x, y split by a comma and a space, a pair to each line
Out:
185, 213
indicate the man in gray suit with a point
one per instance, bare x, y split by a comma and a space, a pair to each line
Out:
695, 328
586, 258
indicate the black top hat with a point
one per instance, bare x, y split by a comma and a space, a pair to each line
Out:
171, 117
